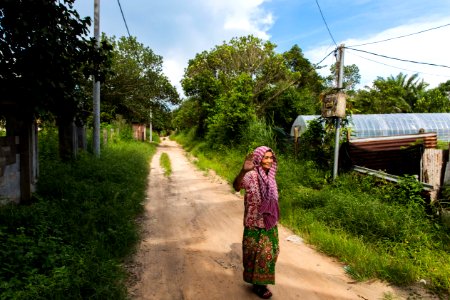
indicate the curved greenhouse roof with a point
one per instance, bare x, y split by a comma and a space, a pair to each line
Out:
371, 125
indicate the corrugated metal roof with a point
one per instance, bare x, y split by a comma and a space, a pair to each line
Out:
372, 125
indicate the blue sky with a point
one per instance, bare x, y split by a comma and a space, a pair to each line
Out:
178, 30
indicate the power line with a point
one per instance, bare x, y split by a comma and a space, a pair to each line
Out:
402, 36
399, 59
123, 17
419, 72
323, 18
324, 58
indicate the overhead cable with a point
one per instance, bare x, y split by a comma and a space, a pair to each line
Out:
323, 18
316, 65
419, 72
123, 17
402, 36
399, 59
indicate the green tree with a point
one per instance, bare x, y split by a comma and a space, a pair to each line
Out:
45, 57
233, 112
303, 97
351, 78
44, 54
211, 76
398, 94
136, 84
433, 101
187, 115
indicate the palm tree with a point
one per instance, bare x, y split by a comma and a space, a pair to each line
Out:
413, 87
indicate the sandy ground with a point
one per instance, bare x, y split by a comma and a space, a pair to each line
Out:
191, 245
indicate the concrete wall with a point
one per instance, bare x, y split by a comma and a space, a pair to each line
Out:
16, 183
9, 170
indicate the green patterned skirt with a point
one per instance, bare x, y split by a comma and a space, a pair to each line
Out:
260, 249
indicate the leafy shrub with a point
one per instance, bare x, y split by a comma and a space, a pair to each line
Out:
258, 133
231, 113
69, 244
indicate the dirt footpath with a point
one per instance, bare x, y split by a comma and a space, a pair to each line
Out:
191, 245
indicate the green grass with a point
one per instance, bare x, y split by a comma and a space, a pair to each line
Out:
72, 241
165, 164
377, 229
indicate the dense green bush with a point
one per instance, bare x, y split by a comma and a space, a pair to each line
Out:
70, 243
258, 133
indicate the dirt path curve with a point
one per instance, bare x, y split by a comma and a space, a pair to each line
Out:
191, 245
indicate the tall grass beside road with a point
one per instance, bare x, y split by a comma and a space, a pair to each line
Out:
72, 241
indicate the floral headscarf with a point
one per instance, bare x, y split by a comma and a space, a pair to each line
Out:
268, 188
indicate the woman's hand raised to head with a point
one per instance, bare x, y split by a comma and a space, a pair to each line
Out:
247, 166
248, 163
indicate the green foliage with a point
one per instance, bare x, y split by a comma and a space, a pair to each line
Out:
351, 78
399, 94
232, 112
257, 134
137, 86
48, 143
317, 142
46, 56
2, 126
244, 79
187, 115
70, 243
409, 191
165, 164
433, 101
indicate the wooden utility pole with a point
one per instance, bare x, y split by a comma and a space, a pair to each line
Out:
340, 77
96, 89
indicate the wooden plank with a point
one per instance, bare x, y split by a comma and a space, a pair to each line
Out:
432, 169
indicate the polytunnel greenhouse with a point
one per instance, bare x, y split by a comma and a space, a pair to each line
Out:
372, 125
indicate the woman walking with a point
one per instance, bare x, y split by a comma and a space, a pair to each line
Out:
260, 245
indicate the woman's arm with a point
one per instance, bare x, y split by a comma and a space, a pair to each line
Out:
247, 166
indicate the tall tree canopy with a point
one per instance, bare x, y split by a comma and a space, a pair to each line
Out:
351, 78
400, 94
241, 80
45, 55
136, 84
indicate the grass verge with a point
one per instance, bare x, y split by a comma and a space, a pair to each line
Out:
71, 242
164, 161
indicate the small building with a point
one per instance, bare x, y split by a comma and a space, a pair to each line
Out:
139, 132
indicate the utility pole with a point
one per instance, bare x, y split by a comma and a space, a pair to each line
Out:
151, 129
96, 88
340, 76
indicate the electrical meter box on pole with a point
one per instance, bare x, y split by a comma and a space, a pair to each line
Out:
333, 105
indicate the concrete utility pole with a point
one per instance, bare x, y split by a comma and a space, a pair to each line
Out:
340, 77
151, 125
96, 89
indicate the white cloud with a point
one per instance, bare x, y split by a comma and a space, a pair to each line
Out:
429, 47
174, 71
205, 25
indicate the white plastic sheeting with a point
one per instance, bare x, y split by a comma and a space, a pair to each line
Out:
372, 125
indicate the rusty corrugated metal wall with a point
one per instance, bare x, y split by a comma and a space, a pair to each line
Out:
398, 155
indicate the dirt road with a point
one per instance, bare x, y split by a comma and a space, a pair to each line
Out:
191, 245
